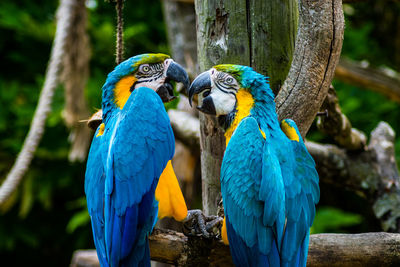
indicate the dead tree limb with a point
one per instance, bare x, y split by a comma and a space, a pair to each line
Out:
368, 249
318, 46
363, 75
372, 172
337, 125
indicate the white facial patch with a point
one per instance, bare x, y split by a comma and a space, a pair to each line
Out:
167, 62
154, 85
223, 96
223, 103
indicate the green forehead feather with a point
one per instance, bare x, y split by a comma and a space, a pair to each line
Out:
150, 59
234, 70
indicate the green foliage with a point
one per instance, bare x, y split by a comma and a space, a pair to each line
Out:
333, 220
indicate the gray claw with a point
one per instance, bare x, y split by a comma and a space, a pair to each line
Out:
197, 224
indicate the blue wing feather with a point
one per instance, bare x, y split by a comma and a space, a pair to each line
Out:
243, 176
302, 194
140, 146
94, 190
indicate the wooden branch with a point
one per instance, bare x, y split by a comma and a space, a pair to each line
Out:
372, 172
318, 46
362, 75
369, 249
334, 123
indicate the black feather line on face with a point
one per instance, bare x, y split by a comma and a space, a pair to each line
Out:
132, 87
146, 80
225, 91
226, 120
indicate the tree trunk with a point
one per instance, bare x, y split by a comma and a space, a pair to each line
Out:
245, 32
180, 21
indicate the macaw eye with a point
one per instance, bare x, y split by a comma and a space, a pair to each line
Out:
206, 93
144, 68
229, 80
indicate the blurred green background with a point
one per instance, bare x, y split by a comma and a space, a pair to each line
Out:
46, 219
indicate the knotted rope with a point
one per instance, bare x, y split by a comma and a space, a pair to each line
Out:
14, 177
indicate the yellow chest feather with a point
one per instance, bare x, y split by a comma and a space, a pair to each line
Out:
244, 104
122, 90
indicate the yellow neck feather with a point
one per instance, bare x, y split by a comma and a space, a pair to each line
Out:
122, 90
244, 103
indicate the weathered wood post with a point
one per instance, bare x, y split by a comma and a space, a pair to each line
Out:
256, 33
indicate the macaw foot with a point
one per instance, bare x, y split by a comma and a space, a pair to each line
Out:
197, 224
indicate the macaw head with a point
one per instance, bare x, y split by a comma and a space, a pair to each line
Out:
221, 88
155, 71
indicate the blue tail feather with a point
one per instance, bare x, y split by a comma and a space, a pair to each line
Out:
245, 256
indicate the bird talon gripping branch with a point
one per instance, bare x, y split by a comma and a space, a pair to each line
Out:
197, 224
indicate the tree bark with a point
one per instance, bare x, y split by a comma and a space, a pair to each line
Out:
372, 172
368, 249
272, 28
318, 46
337, 125
245, 32
180, 18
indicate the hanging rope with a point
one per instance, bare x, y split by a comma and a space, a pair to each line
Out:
120, 31
36, 130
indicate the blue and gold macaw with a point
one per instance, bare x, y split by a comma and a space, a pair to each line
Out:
269, 183
129, 177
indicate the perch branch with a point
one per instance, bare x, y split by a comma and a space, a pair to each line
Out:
14, 177
337, 125
372, 170
362, 75
368, 249
318, 46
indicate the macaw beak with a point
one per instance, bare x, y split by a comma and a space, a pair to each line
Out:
200, 84
177, 73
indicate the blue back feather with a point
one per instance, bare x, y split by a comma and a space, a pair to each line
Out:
269, 187
122, 172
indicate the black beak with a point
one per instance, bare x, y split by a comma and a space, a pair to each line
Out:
201, 83
177, 73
